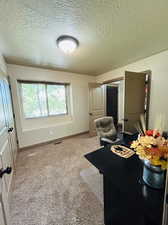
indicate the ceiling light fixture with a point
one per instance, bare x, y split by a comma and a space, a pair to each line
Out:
67, 43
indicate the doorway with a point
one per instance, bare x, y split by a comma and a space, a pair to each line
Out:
112, 102
115, 101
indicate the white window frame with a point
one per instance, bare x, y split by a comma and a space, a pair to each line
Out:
67, 96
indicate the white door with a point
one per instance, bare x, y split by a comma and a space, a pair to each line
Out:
134, 102
5, 146
9, 118
96, 105
5, 161
165, 209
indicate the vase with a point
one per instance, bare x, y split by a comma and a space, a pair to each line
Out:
153, 176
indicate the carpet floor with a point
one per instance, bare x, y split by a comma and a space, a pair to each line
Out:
48, 188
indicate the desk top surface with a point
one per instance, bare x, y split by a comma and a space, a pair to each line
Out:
107, 162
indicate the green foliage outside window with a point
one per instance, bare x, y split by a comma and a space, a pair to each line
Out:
40, 100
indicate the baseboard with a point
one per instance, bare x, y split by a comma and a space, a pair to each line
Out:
54, 140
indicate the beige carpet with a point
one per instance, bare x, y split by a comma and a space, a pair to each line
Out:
48, 188
94, 179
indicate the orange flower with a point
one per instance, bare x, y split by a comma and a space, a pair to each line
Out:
152, 132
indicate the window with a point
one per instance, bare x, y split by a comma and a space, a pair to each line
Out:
43, 99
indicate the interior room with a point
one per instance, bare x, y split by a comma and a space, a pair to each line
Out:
83, 112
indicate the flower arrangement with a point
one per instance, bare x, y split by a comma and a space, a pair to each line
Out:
151, 146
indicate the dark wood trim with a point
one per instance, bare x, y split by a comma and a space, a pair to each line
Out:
52, 141
113, 80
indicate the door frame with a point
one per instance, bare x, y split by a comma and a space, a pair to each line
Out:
149, 73
106, 83
105, 98
105, 93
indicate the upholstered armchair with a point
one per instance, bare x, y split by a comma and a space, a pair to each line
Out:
106, 130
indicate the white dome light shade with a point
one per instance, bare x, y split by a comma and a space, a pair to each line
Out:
67, 44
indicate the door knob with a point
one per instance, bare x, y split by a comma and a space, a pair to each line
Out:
10, 129
91, 114
8, 170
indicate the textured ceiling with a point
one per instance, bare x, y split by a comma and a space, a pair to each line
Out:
111, 33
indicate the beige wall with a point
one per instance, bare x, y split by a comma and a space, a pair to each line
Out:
33, 131
158, 64
3, 66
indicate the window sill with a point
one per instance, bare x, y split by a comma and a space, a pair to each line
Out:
44, 117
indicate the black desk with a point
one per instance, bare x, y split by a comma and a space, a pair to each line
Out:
127, 200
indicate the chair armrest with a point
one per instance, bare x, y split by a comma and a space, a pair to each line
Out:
126, 132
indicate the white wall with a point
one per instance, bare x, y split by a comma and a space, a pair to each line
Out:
33, 131
158, 64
